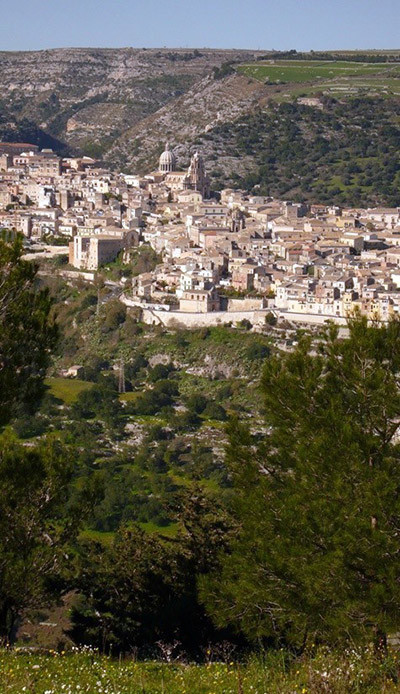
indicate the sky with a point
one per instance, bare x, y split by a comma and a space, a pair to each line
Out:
254, 24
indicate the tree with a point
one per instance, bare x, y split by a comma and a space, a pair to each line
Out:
35, 525
270, 319
160, 371
100, 401
27, 333
196, 402
38, 517
143, 589
214, 410
318, 499
115, 315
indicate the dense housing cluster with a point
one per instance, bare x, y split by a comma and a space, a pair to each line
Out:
223, 258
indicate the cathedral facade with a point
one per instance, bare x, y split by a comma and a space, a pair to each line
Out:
195, 178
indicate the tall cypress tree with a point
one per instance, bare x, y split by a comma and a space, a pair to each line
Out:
318, 498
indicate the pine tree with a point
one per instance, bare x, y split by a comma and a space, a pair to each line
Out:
318, 553
27, 333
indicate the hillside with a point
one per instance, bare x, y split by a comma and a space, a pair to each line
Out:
207, 104
88, 97
240, 108
346, 152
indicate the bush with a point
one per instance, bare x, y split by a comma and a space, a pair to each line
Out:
92, 370
270, 319
88, 301
101, 401
186, 421
115, 315
160, 371
157, 433
132, 368
257, 351
150, 402
196, 403
28, 427
245, 324
215, 411
166, 386
131, 328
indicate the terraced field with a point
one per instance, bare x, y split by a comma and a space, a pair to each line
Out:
299, 71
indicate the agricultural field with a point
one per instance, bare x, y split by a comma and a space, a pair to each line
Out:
306, 78
66, 389
308, 71
276, 673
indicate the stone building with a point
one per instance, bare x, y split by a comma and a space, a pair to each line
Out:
167, 162
194, 179
200, 301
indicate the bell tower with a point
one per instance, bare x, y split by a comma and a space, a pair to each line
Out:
197, 177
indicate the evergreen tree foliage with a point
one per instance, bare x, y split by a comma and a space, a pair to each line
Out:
36, 527
317, 498
27, 333
142, 589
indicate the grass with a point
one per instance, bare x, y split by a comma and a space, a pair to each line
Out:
104, 538
351, 672
67, 389
170, 530
338, 78
129, 397
308, 71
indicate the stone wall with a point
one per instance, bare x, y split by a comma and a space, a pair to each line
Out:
157, 316
248, 304
197, 320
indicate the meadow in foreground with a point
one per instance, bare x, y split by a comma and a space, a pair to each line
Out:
353, 671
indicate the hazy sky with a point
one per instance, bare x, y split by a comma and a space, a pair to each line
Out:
279, 24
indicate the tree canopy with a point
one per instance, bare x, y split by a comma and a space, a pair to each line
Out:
317, 498
27, 332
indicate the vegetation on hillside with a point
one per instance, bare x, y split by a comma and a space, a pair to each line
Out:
287, 546
346, 154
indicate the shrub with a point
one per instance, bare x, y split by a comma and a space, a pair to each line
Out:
245, 324
196, 403
28, 427
215, 411
257, 351
115, 315
270, 319
160, 371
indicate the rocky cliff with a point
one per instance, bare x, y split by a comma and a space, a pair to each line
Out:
103, 101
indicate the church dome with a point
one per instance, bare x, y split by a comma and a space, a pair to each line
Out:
167, 160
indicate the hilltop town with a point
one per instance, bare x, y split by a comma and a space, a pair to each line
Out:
223, 258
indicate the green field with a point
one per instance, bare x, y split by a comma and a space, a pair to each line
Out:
338, 78
166, 531
299, 71
353, 672
66, 389
129, 397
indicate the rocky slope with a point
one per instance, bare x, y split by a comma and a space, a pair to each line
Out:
206, 105
88, 98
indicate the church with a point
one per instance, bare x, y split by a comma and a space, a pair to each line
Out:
195, 178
